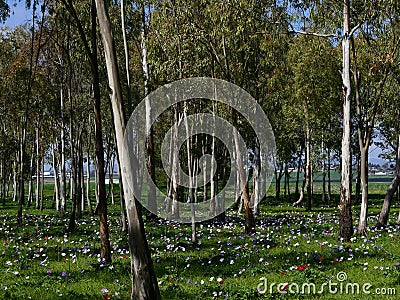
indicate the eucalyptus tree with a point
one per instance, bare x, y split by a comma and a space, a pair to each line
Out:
341, 20
314, 100
370, 77
389, 133
144, 281
91, 49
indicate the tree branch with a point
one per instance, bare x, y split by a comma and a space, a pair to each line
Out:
327, 35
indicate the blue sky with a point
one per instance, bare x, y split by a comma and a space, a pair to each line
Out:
18, 15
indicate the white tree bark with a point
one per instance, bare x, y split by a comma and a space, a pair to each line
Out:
345, 215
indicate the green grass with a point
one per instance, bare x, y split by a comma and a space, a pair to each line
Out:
290, 246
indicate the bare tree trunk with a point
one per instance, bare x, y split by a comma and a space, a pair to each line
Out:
175, 164
329, 175
308, 174
79, 169
71, 224
384, 214
144, 281
345, 214
190, 172
278, 178
255, 195
55, 170
30, 184
37, 206
126, 51
358, 179
362, 224
323, 171
15, 173
102, 206
299, 164
88, 174
63, 180
151, 192
301, 197
42, 181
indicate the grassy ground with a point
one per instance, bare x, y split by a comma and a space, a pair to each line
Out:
292, 251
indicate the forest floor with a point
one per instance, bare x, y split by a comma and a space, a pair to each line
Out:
291, 253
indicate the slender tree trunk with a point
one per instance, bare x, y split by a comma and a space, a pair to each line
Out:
301, 197
308, 174
15, 175
88, 174
56, 177
63, 179
144, 281
71, 225
393, 187
37, 167
151, 191
79, 177
255, 196
21, 183
362, 224
323, 171
345, 214
299, 164
30, 187
329, 175
278, 178
102, 205
175, 164
42, 181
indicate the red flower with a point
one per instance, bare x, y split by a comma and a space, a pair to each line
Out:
106, 296
283, 273
170, 279
301, 267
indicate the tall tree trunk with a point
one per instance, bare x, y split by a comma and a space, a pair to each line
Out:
37, 206
345, 214
56, 177
72, 170
358, 179
393, 187
88, 174
63, 179
255, 195
42, 181
323, 171
144, 281
105, 252
362, 223
308, 174
278, 178
299, 165
30, 187
329, 175
175, 165
79, 170
15, 177
151, 191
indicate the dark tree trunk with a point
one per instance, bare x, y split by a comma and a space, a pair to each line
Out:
144, 280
